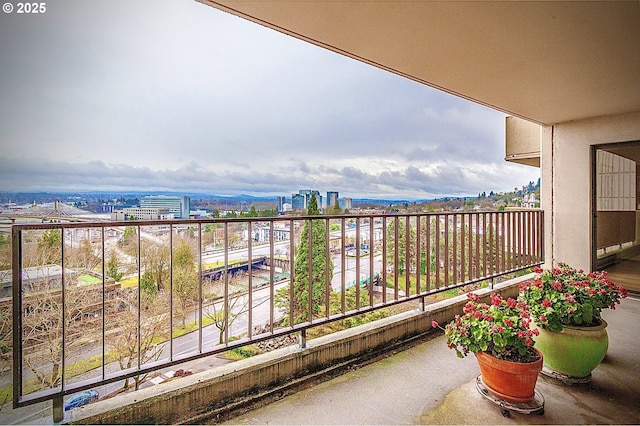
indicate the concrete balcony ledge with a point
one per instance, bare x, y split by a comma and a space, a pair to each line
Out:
206, 395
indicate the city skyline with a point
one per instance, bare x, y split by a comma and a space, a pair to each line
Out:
112, 97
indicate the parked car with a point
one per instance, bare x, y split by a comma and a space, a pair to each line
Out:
80, 399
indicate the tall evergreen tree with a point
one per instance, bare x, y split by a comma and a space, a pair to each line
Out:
319, 258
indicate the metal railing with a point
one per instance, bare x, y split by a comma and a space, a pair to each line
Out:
105, 302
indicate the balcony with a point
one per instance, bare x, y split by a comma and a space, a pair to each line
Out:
428, 384
111, 304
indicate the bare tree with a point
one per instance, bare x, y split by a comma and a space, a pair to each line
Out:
82, 257
224, 311
43, 324
152, 330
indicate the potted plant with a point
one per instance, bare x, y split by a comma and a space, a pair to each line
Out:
566, 305
500, 336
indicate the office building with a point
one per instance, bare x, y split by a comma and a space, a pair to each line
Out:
180, 207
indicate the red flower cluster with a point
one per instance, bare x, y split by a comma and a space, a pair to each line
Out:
500, 328
565, 296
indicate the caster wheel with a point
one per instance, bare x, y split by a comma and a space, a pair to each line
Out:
506, 413
540, 412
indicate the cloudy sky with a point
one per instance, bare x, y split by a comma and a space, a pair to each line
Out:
172, 95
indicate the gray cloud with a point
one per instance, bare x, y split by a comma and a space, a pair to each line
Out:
165, 95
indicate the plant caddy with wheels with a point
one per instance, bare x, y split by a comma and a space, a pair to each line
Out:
500, 336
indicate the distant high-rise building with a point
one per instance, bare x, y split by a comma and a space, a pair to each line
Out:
280, 202
298, 202
178, 206
306, 193
332, 198
345, 203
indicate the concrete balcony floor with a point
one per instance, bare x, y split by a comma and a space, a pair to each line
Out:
428, 384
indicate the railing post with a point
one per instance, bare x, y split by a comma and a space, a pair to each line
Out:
421, 304
58, 409
303, 338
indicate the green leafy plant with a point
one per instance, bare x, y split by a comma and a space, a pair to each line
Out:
499, 328
566, 296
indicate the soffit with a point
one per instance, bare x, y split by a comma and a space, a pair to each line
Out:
547, 62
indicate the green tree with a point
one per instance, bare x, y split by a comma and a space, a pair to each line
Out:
48, 247
400, 245
113, 266
185, 278
252, 212
147, 285
155, 260
319, 277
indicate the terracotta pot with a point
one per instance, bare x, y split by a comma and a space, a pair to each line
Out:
574, 351
511, 381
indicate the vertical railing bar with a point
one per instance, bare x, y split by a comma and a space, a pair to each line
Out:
310, 270
529, 239
470, 247
170, 292
407, 256
525, 238
357, 281
455, 249
327, 287
446, 250
521, 248
343, 260
477, 259
250, 273
384, 260
104, 331
427, 249
502, 236
484, 244
462, 247
200, 294
395, 257
63, 287
371, 253
534, 237
139, 302
497, 238
437, 244
516, 240
292, 249
507, 240
491, 248
541, 236
418, 253
225, 316
16, 278
522, 242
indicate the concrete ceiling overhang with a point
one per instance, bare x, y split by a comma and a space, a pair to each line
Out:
547, 61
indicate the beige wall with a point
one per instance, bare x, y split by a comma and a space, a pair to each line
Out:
566, 182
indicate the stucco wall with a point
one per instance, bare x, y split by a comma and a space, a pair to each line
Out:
566, 182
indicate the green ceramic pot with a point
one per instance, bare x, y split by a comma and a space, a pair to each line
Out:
574, 351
